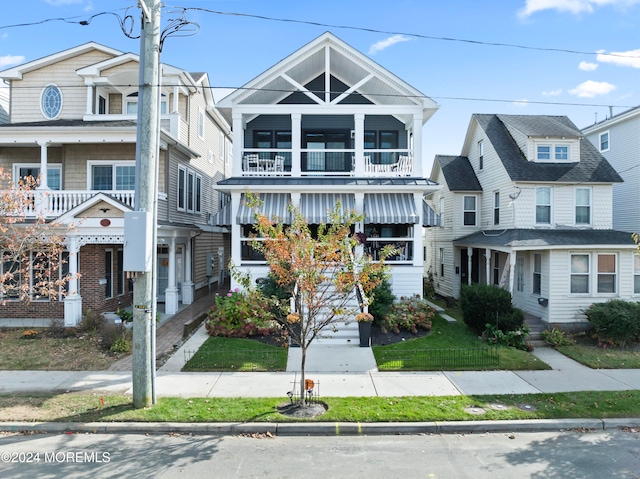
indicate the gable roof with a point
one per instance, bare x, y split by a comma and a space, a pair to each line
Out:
15, 73
458, 173
613, 120
329, 54
592, 167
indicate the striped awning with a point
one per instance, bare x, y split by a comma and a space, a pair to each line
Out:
390, 208
275, 207
429, 217
222, 217
315, 207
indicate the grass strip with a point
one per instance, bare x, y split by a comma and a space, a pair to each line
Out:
90, 408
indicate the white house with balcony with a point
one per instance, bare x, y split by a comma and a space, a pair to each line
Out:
72, 125
327, 124
527, 205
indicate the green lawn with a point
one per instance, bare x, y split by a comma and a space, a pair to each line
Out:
445, 335
231, 354
85, 408
602, 358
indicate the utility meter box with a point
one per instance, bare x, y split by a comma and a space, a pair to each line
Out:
138, 241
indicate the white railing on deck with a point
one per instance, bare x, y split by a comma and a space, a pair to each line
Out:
57, 202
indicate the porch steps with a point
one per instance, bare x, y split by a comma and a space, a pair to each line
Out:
345, 329
536, 326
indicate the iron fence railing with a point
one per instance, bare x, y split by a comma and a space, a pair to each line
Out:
437, 359
235, 360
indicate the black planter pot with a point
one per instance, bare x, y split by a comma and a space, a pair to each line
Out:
364, 328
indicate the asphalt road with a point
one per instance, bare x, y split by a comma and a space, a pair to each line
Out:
561, 455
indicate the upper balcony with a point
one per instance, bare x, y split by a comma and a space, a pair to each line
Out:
327, 162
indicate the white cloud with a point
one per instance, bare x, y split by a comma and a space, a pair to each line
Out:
622, 59
590, 89
60, 3
521, 103
572, 6
386, 43
557, 92
7, 60
587, 66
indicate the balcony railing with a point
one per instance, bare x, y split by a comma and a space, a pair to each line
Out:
53, 203
327, 162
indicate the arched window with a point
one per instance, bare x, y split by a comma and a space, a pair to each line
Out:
51, 101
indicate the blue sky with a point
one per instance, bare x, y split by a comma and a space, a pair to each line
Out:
464, 75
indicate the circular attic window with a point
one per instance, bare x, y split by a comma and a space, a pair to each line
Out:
51, 101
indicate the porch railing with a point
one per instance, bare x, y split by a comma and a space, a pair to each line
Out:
57, 202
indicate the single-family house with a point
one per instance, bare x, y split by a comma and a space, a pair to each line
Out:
323, 125
527, 206
72, 124
618, 139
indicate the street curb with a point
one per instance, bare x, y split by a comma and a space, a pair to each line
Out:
322, 428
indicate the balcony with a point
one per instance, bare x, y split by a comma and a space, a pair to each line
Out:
53, 203
327, 162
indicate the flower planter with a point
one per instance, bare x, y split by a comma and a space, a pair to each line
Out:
364, 328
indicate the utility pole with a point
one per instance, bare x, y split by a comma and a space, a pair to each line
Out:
147, 147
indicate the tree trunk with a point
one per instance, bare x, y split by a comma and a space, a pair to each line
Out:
303, 348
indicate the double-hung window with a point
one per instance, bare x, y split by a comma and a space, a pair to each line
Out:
480, 155
580, 267
583, 206
543, 205
469, 211
189, 190
106, 176
54, 174
636, 274
553, 152
537, 273
201, 123
607, 273
496, 208
603, 141
442, 262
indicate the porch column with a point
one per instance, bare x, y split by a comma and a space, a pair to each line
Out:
174, 108
487, 264
512, 270
187, 284
236, 244
417, 145
238, 144
358, 120
418, 253
171, 293
43, 165
469, 263
296, 142
89, 110
73, 300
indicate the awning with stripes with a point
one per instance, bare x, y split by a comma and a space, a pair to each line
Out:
429, 217
315, 207
222, 217
275, 207
390, 208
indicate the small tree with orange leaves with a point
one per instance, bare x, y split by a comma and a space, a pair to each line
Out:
322, 269
30, 249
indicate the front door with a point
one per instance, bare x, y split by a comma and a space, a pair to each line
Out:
464, 266
162, 278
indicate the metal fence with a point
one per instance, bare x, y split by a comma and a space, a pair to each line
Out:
437, 359
235, 360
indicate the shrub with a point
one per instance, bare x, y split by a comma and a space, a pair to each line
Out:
484, 304
91, 321
428, 286
122, 346
270, 287
615, 321
110, 334
126, 316
554, 337
513, 338
383, 299
239, 315
409, 313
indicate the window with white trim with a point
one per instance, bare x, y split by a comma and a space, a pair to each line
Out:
221, 145
201, 123
520, 273
553, 152
189, 190
496, 208
480, 155
110, 176
580, 269
583, 206
607, 277
496, 268
442, 262
51, 101
442, 211
54, 173
120, 266
537, 273
543, 205
469, 210
603, 141
636, 274
227, 150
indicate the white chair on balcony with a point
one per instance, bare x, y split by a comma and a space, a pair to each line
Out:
404, 166
278, 165
251, 163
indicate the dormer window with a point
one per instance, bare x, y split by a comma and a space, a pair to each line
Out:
560, 152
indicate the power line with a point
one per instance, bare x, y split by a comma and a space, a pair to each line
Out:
415, 35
